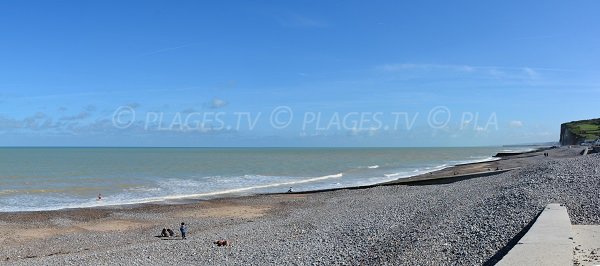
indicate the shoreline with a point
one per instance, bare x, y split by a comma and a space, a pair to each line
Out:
506, 162
442, 176
315, 179
398, 215
458, 172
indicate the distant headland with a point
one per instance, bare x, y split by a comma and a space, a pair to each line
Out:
580, 132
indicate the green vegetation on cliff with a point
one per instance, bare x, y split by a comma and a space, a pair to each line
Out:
585, 129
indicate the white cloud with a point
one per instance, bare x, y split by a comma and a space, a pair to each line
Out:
497, 72
372, 131
480, 129
217, 103
515, 124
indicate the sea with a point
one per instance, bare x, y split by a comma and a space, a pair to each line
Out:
36, 179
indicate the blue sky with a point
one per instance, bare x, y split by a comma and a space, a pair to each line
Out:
295, 73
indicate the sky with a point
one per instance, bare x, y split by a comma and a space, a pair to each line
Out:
295, 73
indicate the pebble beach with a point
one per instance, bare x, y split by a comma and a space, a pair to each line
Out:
468, 222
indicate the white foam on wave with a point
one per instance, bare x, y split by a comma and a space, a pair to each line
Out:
477, 160
145, 189
426, 170
392, 175
244, 189
417, 171
182, 188
120, 200
516, 150
7, 191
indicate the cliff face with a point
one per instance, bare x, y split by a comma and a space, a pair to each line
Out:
567, 137
576, 132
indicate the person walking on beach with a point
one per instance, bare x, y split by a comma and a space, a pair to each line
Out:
183, 229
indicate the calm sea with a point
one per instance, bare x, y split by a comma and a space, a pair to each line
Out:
56, 178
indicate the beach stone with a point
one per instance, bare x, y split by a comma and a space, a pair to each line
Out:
465, 223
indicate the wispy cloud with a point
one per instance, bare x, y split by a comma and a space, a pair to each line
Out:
499, 72
531, 73
217, 103
369, 132
427, 67
133, 105
36, 122
84, 123
467, 68
515, 124
80, 116
90, 108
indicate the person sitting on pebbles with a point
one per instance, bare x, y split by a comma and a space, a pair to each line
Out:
171, 233
222, 243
